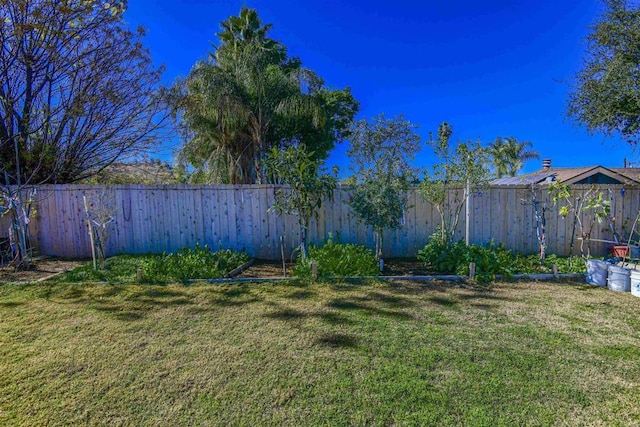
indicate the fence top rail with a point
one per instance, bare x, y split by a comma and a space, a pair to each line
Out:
81, 187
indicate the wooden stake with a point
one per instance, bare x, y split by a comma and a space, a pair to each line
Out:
314, 271
284, 264
472, 271
555, 270
93, 244
139, 274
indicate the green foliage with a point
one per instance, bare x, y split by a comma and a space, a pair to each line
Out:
491, 260
592, 201
459, 171
338, 260
454, 258
118, 269
198, 263
605, 96
381, 151
249, 97
508, 155
306, 187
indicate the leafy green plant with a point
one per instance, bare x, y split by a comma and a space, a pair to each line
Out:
338, 260
117, 269
308, 186
490, 260
197, 263
454, 258
591, 200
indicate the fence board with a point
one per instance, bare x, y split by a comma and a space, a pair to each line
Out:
165, 218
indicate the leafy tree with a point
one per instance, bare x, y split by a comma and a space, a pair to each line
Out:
460, 171
77, 89
306, 186
606, 96
381, 152
248, 97
508, 155
592, 200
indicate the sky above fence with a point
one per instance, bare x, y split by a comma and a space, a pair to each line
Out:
497, 68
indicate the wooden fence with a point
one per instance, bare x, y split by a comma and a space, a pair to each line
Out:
164, 218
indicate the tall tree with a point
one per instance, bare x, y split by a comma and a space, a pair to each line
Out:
508, 155
248, 97
77, 89
381, 153
606, 95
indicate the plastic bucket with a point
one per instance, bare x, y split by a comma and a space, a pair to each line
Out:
597, 272
635, 283
619, 279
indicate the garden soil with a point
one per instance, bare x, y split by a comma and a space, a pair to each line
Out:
39, 269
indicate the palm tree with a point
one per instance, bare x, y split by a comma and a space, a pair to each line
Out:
233, 103
509, 155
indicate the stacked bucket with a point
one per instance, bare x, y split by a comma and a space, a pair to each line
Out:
616, 278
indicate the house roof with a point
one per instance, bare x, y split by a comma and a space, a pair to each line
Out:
627, 176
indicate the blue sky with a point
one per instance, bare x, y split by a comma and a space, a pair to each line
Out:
496, 68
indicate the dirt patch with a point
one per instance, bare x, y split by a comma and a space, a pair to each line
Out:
392, 267
40, 268
262, 268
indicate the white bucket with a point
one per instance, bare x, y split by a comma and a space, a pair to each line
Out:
635, 283
597, 272
619, 279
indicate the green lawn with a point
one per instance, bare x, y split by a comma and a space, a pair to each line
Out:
322, 354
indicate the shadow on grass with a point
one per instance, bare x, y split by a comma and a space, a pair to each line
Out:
301, 295
334, 318
132, 302
286, 314
420, 288
232, 296
121, 312
484, 295
444, 302
337, 340
11, 304
358, 304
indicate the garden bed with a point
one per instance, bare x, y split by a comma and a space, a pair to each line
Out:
40, 268
392, 267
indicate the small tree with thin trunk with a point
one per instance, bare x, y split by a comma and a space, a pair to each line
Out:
306, 186
381, 152
460, 171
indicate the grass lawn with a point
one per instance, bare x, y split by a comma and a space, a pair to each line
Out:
323, 354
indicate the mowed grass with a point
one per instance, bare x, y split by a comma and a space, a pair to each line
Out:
369, 353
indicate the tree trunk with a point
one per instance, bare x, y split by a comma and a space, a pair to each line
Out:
377, 237
304, 225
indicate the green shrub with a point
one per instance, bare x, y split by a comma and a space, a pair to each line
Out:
455, 258
338, 260
118, 268
198, 263
491, 260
